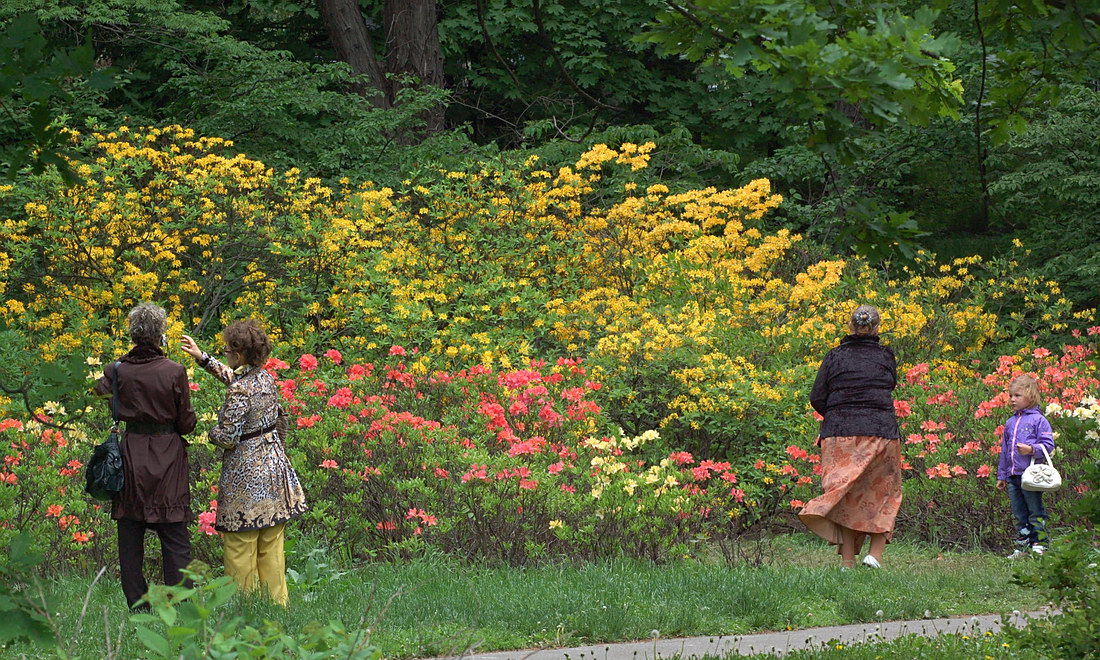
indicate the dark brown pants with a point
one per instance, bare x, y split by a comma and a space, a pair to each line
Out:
175, 544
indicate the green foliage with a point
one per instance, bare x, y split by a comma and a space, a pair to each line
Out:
883, 206
1036, 48
676, 158
202, 66
514, 83
20, 616
36, 80
196, 621
833, 67
315, 568
1047, 188
1068, 575
37, 385
294, 112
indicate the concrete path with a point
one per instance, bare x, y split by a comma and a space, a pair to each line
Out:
777, 643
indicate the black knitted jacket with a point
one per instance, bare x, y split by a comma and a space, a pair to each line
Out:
853, 389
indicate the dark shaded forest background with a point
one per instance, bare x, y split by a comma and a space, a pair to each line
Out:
889, 127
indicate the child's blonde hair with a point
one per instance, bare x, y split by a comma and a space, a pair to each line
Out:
1028, 386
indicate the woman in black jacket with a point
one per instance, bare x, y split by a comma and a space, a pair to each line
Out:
860, 443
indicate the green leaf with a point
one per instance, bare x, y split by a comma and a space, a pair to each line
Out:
154, 642
167, 614
179, 632
223, 592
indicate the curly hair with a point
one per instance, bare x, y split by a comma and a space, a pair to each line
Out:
148, 323
1027, 385
248, 339
865, 320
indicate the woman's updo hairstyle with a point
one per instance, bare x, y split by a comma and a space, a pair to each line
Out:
148, 323
865, 321
248, 339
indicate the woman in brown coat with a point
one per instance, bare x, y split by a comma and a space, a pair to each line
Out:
258, 491
154, 401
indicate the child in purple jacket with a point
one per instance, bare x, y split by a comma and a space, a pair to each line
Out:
1025, 432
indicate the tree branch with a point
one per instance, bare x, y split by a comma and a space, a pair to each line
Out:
537, 11
489, 42
699, 23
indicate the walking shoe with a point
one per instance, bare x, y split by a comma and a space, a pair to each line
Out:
1038, 549
871, 562
1019, 553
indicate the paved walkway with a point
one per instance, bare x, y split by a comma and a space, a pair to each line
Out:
777, 643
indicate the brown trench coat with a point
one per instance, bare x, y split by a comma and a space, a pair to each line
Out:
152, 389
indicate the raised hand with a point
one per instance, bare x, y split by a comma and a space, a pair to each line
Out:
190, 347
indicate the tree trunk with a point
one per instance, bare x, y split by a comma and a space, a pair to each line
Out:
981, 224
412, 48
348, 32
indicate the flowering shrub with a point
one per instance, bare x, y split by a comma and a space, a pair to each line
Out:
42, 492
512, 465
524, 463
688, 323
665, 290
952, 438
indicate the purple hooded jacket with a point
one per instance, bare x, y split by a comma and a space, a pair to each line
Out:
1027, 426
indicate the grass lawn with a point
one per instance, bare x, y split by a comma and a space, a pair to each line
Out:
944, 647
436, 606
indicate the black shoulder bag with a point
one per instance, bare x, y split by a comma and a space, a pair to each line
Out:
103, 478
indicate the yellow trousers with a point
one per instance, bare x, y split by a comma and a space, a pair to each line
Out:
257, 556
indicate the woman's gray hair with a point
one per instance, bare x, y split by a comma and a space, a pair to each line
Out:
865, 320
148, 323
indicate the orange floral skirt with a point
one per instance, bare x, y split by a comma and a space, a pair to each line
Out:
862, 482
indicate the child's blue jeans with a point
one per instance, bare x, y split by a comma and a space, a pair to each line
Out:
1031, 517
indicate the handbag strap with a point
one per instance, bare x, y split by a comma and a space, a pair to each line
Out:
114, 393
1044, 454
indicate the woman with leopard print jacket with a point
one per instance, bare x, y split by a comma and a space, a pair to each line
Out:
258, 491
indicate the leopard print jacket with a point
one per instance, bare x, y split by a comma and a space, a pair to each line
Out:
258, 487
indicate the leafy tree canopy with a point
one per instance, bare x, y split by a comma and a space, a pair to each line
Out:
837, 68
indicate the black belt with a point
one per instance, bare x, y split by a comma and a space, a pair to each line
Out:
256, 434
149, 428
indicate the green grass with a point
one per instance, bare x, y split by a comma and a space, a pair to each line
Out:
437, 606
911, 647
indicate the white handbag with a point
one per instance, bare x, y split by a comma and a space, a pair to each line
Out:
1041, 477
